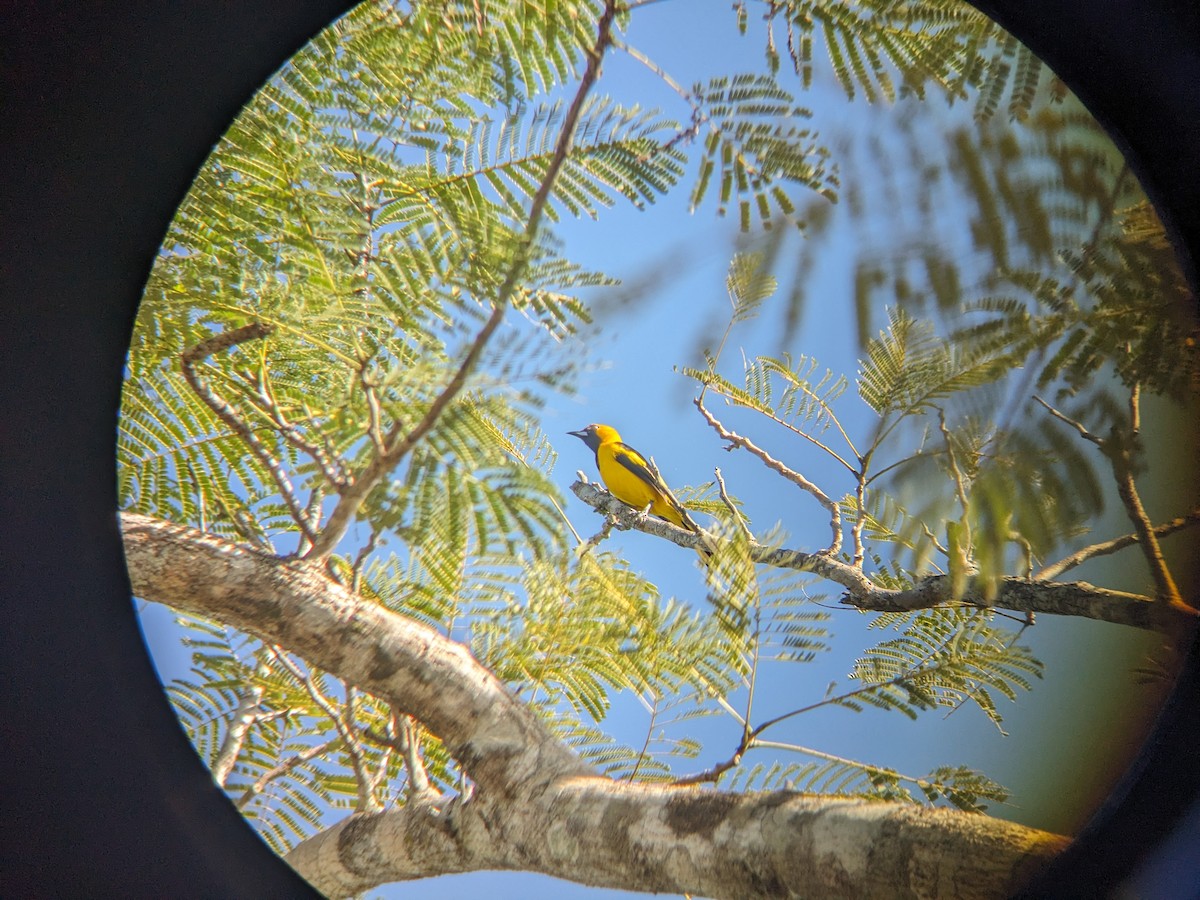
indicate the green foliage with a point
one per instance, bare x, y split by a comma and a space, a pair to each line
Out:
748, 284
371, 204
908, 368
957, 785
998, 481
888, 50
782, 389
885, 521
370, 244
277, 781
1036, 482
1122, 307
1074, 275
763, 615
943, 658
749, 149
616, 150
650, 763
583, 632
1059, 290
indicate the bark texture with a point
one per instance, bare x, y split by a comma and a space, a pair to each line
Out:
536, 806
689, 840
1033, 595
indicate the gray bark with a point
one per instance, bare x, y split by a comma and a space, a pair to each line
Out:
1035, 595
535, 805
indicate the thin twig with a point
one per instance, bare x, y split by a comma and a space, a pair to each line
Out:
403, 737
751, 736
658, 70
397, 446
1104, 548
374, 428
958, 533
243, 718
920, 454
1083, 432
332, 468
283, 768
845, 760
201, 506
1018, 594
736, 440
366, 801
712, 774
860, 516
1026, 552
800, 432
1119, 449
960, 487
312, 514
646, 743
409, 739
933, 539
227, 414
601, 535
737, 514
366, 781
360, 559
822, 563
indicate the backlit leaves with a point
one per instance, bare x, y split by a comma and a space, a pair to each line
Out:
958, 786
885, 50
751, 152
908, 368
944, 658
367, 205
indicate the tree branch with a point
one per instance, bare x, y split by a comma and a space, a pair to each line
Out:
243, 718
1019, 594
402, 738
1119, 449
536, 806
408, 742
367, 801
1106, 547
627, 517
835, 514
690, 840
1067, 598
332, 467
733, 510
216, 344
283, 768
399, 446
295, 605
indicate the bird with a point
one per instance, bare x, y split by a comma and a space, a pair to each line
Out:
631, 478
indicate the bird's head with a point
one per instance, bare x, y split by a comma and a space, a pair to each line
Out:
595, 435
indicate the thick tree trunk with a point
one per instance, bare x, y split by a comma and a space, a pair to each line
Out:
536, 806
688, 840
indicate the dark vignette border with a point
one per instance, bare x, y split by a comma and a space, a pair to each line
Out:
107, 112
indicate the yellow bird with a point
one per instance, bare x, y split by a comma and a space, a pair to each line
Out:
631, 478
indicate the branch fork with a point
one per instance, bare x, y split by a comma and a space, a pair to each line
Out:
536, 805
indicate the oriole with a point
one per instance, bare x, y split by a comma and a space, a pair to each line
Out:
631, 478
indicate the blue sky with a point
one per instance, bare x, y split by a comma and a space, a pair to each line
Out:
1049, 759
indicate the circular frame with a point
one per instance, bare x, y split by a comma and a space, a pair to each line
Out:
109, 112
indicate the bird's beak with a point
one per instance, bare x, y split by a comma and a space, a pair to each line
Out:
579, 434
